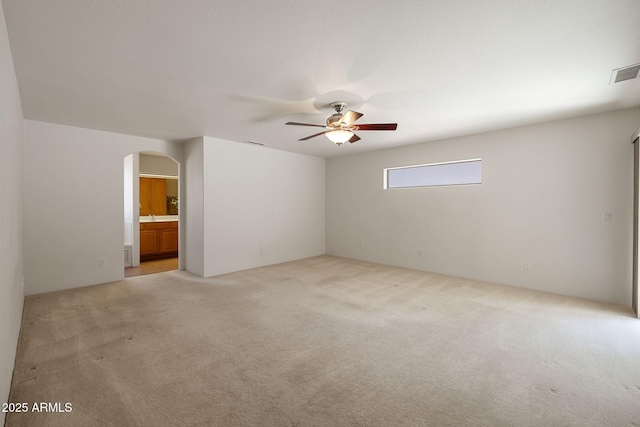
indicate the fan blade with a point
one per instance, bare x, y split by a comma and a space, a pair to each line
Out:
349, 117
313, 136
378, 126
304, 124
354, 138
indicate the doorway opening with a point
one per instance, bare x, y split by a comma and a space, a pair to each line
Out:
151, 214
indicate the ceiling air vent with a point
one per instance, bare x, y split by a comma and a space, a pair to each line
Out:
625, 73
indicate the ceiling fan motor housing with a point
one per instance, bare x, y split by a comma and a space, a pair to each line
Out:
333, 120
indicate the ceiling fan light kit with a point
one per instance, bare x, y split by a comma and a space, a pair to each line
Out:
340, 127
339, 137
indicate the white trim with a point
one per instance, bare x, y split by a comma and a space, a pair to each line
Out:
436, 164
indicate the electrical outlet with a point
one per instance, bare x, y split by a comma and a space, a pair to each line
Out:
261, 250
420, 253
102, 262
607, 217
526, 266
361, 245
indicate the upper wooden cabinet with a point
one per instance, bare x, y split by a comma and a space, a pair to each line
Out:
153, 196
145, 196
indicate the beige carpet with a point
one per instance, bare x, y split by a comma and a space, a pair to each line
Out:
325, 341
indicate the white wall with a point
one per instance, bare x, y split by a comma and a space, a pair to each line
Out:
193, 217
135, 213
158, 165
261, 206
543, 193
128, 200
11, 242
67, 232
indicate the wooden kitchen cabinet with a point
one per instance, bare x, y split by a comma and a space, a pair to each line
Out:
158, 240
153, 196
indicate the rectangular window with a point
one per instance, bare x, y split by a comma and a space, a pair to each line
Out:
460, 172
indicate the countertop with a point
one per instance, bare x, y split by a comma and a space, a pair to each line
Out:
158, 218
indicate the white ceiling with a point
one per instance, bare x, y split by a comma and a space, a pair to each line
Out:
240, 69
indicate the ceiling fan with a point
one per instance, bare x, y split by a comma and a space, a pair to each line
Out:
340, 127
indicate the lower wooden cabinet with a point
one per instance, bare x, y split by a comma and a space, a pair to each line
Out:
158, 240
148, 241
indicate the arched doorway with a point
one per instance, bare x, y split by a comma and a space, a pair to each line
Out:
151, 213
